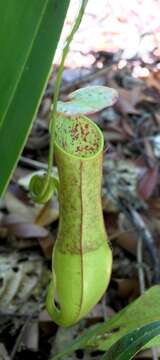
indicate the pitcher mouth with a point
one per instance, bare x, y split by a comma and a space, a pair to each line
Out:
78, 136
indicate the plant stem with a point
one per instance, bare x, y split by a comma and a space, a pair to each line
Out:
57, 90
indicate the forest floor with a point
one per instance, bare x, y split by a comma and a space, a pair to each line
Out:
130, 191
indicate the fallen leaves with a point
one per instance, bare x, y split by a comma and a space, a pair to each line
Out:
130, 184
148, 182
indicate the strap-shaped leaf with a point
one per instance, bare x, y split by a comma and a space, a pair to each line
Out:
88, 100
139, 313
130, 344
29, 33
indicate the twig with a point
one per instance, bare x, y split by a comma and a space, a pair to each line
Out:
141, 229
148, 241
33, 163
140, 265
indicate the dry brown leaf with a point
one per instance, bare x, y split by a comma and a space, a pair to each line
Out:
127, 288
126, 102
127, 238
147, 184
127, 128
16, 206
27, 230
44, 316
153, 80
45, 107
157, 117
149, 152
46, 245
12, 219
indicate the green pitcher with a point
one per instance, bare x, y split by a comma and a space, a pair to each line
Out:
82, 259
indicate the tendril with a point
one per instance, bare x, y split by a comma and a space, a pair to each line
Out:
36, 188
41, 186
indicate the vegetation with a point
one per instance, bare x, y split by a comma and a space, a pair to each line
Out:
82, 258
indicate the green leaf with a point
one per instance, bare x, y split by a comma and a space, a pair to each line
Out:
88, 100
130, 344
153, 343
141, 312
29, 33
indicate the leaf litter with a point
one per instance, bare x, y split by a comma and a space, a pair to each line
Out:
130, 191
